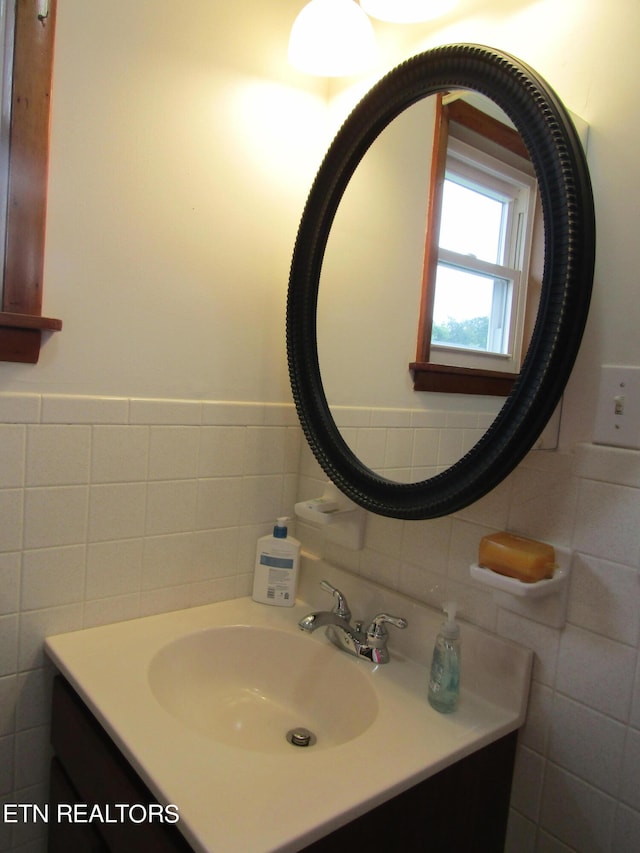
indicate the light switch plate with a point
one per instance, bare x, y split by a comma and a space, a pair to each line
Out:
618, 414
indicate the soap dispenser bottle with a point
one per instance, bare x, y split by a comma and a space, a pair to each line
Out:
275, 578
444, 683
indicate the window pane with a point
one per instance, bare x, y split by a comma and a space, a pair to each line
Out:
470, 310
471, 222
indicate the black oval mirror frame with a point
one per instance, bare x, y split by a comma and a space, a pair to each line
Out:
569, 226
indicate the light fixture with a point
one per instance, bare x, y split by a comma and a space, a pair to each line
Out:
332, 38
406, 11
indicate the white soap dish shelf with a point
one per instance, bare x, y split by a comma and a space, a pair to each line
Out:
538, 589
343, 520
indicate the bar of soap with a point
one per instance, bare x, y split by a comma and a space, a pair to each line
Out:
517, 557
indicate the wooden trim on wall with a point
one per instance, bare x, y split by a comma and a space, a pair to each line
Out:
474, 119
28, 176
434, 211
460, 380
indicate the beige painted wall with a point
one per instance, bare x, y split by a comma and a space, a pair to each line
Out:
585, 50
182, 149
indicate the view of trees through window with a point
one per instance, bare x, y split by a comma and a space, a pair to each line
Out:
471, 334
472, 308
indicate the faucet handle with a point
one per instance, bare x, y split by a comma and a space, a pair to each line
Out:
377, 630
341, 607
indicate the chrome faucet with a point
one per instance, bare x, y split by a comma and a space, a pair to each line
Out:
370, 644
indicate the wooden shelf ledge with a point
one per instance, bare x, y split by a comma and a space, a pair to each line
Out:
21, 335
460, 380
29, 321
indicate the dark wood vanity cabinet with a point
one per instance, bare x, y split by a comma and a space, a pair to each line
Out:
89, 768
462, 809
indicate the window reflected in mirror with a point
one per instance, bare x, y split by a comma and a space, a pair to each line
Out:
483, 252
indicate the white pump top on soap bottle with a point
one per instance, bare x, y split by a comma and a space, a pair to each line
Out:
450, 628
280, 529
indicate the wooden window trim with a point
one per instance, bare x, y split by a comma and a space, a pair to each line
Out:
21, 320
448, 379
428, 375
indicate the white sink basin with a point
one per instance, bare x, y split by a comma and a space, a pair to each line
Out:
200, 701
248, 687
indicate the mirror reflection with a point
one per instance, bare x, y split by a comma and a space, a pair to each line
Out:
355, 288
483, 256
375, 292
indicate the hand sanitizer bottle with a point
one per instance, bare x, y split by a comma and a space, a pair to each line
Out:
275, 578
444, 683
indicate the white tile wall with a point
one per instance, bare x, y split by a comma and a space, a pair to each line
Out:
115, 508
12, 442
575, 727
408, 444
577, 780
596, 671
112, 509
578, 814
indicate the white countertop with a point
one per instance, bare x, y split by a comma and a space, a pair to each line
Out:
234, 799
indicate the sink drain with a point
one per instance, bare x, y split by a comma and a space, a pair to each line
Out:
301, 737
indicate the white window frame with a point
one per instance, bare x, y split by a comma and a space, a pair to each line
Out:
508, 181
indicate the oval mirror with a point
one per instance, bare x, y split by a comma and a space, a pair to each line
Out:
566, 200
474, 192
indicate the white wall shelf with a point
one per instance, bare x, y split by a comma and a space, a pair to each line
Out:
544, 601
